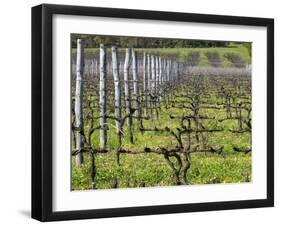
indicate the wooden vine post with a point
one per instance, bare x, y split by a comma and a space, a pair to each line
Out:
117, 95
153, 76
136, 89
160, 71
145, 83
148, 72
153, 89
102, 97
79, 101
149, 80
157, 74
128, 93
160, 78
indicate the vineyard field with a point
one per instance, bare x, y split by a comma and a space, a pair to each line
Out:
145, 117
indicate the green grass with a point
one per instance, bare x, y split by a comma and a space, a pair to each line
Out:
151, 168
154, 171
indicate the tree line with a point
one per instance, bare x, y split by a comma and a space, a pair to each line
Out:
93, 41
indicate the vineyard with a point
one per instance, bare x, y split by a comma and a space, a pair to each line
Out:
146, 117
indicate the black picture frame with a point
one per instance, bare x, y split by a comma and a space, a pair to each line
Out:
42, 111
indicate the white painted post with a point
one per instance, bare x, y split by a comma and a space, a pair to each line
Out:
117, 94
145, 83
157, 73
79, 100
102, 99
136, 88
97, 67
153, 76
160, 71
148, 72
153, 87
92, 68
168, 70
165, 72
128, 92
149, 82
160, 78
176, 70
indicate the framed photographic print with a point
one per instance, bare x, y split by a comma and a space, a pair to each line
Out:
146, 112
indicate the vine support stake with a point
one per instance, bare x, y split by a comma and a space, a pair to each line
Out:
102, 97
128, 93
117, 94
136, 88
79, 100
